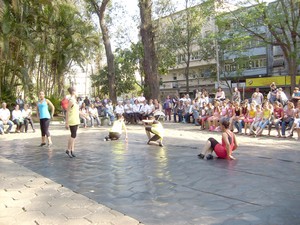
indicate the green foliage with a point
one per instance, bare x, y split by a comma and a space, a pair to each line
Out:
125, 67
8, 97
56, 102
40, 40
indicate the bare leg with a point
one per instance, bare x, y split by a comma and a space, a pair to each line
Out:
207, 148
246, 127
49, 140
43, 139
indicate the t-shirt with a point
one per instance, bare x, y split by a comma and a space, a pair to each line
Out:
73, 116
277, 112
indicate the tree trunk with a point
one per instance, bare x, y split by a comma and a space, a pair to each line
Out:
108, 51
150, 65
109, 55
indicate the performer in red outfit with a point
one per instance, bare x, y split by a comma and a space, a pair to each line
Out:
224, 150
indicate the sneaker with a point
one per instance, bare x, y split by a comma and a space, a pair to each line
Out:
201, 156
42, 144
68, 153
73, 154
160, 144
209, 157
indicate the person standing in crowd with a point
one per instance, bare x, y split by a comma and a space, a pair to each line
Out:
116, 130
5, 117
155, 127
44, 116
72, 121
296, 96
220, 94
224, 150
20, 102
281, 97
236, 95
168, 107
257, 97
87, 102
272, 96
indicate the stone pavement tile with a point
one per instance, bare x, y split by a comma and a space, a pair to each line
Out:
39, 200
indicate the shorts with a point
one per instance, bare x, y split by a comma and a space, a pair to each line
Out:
219, 149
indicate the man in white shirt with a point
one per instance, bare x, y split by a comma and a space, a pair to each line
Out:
146, 110
257, 97
119, 108
5, 117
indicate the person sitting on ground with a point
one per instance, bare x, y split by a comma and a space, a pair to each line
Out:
152, 125
224, 150
115, 131
17, 118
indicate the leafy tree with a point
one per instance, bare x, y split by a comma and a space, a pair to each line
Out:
100, 7
126, 66
181, 34
281, 19
39, 42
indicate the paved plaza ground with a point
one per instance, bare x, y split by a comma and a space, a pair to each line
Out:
131, 183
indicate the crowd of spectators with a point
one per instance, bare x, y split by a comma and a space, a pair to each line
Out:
252, 116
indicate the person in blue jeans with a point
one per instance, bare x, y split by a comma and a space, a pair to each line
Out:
265, 120
179, 112
288, 118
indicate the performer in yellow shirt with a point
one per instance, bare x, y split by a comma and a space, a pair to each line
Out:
116, 130
156, 128
72, 121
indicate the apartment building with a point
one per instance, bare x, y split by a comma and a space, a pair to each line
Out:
242, 61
